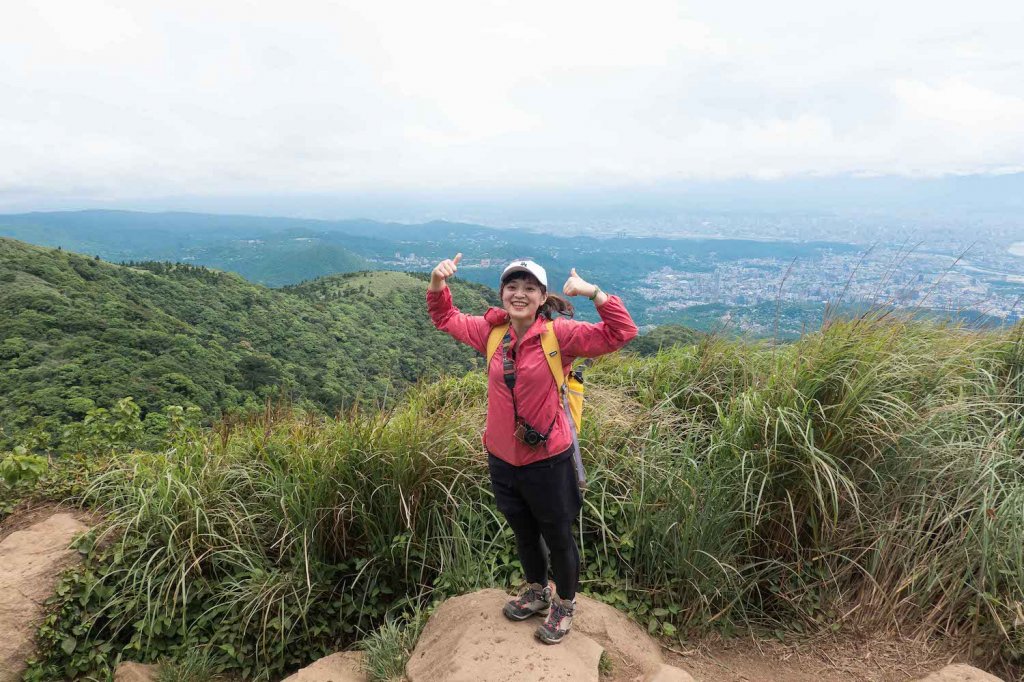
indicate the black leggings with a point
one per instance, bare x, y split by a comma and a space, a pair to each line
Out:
531, 538
540, 501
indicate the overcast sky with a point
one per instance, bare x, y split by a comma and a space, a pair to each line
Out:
115, 101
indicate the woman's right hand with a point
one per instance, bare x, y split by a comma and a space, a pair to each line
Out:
442, 271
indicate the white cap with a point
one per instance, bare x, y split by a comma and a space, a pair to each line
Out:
525, 266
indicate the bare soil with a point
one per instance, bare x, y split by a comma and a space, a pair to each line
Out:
882, 659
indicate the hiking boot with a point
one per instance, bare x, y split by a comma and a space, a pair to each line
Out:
535, 598
559, 621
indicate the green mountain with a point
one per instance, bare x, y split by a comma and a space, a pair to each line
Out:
263, 250
77, 332
279, 259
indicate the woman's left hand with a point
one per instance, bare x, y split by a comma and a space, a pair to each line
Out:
577, 286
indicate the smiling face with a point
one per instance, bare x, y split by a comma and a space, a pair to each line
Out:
521, 296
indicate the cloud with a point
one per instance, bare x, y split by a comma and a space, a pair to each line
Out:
71, 26
107, 100
961, 105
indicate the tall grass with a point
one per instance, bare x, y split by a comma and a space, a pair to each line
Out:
870, 475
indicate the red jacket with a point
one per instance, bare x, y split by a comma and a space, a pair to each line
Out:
536, 395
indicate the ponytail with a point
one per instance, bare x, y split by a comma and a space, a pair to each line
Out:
553, 303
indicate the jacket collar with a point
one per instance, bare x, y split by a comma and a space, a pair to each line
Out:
536, 328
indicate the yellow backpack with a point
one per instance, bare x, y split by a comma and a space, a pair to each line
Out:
569, 387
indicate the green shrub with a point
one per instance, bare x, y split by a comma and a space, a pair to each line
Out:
20, 468
19, 472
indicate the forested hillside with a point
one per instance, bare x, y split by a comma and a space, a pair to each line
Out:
77, 332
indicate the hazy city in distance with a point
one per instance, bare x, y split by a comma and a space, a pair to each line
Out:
942, 264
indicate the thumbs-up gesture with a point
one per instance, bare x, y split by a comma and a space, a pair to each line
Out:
442, 271
577, 286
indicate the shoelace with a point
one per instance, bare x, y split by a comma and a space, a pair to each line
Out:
531, 594
558, 612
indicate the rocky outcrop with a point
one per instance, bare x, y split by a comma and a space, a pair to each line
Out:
345, 666
30, 562
631, 651
468, 639
136, 672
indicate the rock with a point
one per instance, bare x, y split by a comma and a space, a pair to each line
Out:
344, 666
467, 639
960, 673
136, 672
669, 673
30, 561
626, 643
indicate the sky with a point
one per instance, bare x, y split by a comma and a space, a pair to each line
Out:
117, 102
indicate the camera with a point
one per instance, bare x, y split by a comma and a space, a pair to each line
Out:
529, 435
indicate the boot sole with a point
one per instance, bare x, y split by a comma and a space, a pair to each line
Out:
544, 637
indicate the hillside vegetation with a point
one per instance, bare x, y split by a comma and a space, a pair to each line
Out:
78, 333
868, 477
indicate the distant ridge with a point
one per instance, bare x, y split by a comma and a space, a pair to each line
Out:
273, 251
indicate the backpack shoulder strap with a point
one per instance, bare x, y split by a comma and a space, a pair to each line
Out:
494, 340
549, 342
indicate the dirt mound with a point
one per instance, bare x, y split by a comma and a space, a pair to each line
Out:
30, 561
468, 639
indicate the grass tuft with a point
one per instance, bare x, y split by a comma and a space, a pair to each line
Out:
388, 647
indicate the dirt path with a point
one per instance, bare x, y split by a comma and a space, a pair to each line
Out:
27, 513
839, 660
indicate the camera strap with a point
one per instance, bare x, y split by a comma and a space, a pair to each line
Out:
508, 362
508, 368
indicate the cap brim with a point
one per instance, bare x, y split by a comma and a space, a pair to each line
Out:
520, 268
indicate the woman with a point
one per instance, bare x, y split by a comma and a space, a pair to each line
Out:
535, 485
